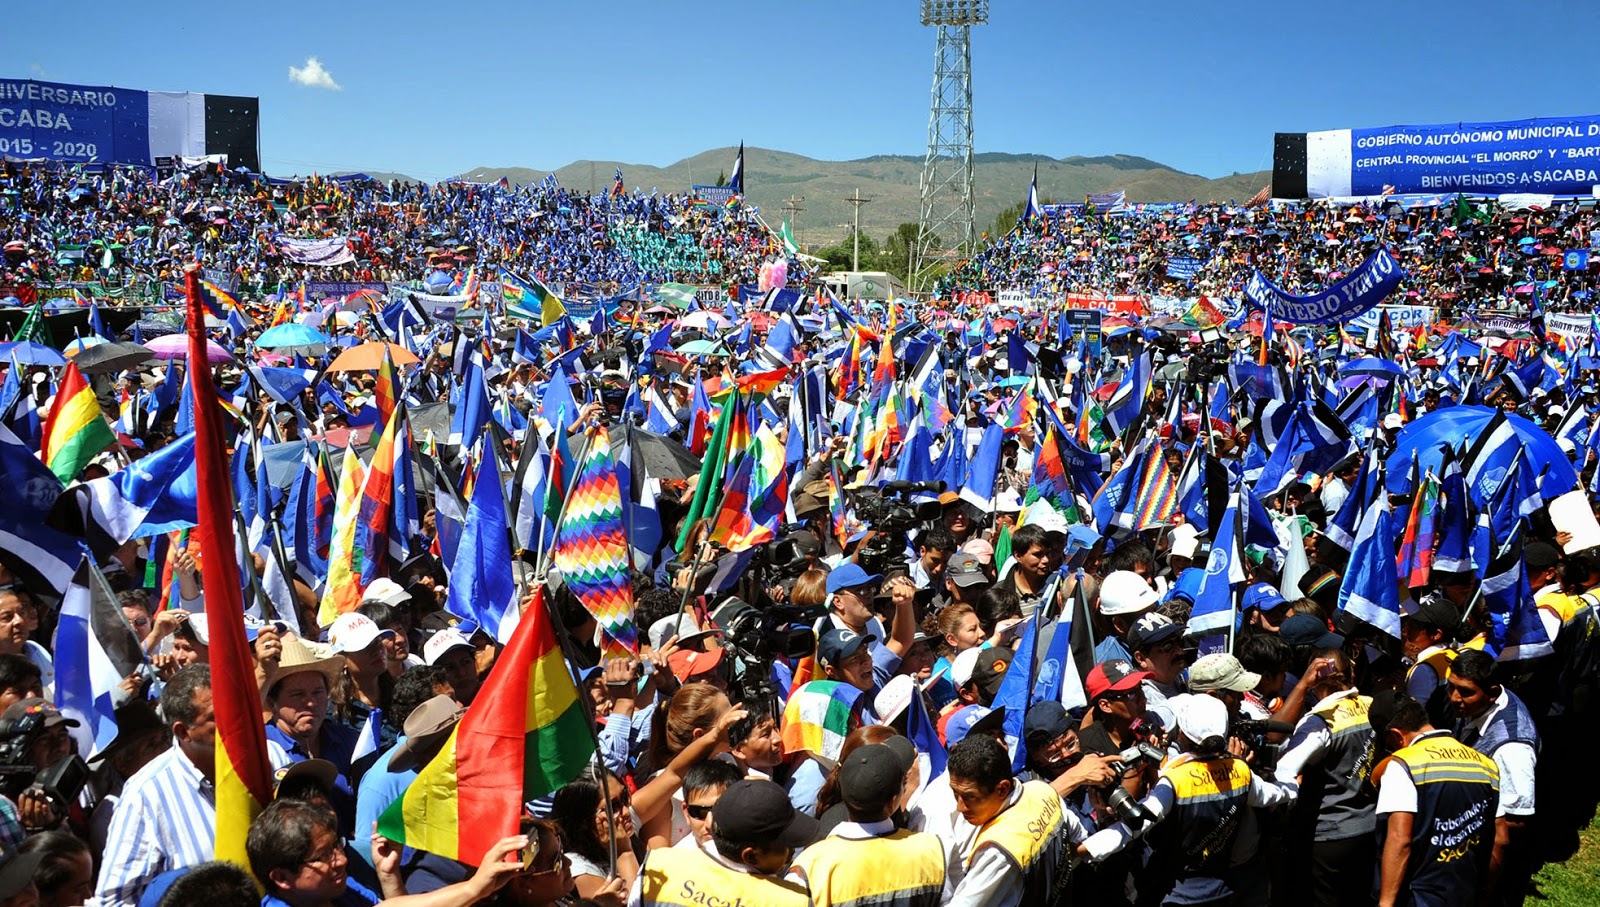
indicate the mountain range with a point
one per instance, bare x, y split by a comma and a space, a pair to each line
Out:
892, 181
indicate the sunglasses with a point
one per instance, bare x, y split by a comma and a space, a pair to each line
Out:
697, 812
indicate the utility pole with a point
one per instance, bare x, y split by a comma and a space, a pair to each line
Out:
856, 201
792, 209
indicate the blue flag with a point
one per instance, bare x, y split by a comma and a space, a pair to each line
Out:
481, 586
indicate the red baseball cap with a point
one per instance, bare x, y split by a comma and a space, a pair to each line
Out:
686, 663
1112, 677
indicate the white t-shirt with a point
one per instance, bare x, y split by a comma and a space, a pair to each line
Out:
1398, 794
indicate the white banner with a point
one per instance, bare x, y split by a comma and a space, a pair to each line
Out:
334, 250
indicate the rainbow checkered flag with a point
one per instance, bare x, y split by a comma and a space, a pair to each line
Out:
591, 548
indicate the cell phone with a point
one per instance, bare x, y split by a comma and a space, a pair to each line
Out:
530, 850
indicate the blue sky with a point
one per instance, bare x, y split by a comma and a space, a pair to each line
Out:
434, 89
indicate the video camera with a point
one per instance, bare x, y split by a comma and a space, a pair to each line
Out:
1254, 731
61, 783
1122, 804
891, 514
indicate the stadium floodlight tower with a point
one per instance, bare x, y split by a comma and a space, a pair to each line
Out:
945, 225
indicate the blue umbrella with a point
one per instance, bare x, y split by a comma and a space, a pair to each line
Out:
1457, 426
26, 352
290, 334
1371, 365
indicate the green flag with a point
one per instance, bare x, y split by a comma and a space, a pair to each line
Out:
34, 327
790, 247
706, 491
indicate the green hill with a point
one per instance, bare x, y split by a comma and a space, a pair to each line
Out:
892, 182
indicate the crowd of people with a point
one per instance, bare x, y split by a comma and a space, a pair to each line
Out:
124, 225
920, 608
1457, 254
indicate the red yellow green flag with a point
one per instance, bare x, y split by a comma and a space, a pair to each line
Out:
75, 431
524, 736
243, 777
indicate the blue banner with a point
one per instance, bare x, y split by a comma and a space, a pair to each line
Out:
1369, 284
102, 124
1559, 156
1183, 267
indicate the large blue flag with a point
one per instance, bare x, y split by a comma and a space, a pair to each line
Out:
481, 586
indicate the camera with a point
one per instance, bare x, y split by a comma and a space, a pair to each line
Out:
1254, 732
1207, 363
60, 783
1123, 805
891, 514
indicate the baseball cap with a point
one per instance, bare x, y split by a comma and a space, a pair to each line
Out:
1201, 718
1435, 611
686, 663
1045, 721
965, 570
200, 625
970, 719
1221, 671
894, 697
49, 715
760, 811
870, 776
16, 871
387, 591
1385, 706
1263, 597
838, 644
1539, 555
323, 772
991, 669
1309, 630
962, 666
979, 549
1112, 677
849, 576
426, 727
680, 625
946, 498
1393, 421
1183, 541
352, 632
442, 642
1126, 592
1150, 629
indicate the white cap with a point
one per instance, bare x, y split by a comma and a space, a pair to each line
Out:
894, 697
681, 625
1008, 501
1393, 421
199, 624
352, 632
387, 591
962, 666
1126, 592
1200, 717
1045, 516
1183, 540
442, 642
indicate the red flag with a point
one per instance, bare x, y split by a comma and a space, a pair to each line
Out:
243, 777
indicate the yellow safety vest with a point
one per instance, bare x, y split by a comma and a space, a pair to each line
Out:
900, 869
1031, 832
687, 877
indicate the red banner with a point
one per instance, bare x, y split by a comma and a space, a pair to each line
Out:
1122, 305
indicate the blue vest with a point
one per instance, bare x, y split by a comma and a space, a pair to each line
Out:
1511, 724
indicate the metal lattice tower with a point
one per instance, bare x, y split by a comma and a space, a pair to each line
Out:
946, 222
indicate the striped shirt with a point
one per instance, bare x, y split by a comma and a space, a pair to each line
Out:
166, 819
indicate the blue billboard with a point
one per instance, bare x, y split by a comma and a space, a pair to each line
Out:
1554, 156
84, 124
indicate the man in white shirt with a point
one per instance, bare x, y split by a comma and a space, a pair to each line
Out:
1493, 721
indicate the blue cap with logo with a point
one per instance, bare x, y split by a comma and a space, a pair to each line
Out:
838, 644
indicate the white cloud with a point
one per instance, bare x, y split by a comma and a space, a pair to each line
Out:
312, 75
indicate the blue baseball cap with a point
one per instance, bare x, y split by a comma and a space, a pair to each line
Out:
849, 576
1263, 597
837, 644
968, 719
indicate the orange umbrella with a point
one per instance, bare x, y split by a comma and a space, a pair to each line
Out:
369, 356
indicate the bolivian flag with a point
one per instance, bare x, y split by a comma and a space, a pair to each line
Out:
525, 736
75, 431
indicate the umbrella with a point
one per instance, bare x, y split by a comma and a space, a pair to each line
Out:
176, 346
109, 358
26, 352
1371, 365
290, 334
658, 455
1454, 426
369, 356
703, 320
79, 344
702, 348
1171, 371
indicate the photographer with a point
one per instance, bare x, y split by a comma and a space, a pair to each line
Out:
1331, 755
36, 740
1200, 818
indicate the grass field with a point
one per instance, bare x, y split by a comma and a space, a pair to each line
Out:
1575, 883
